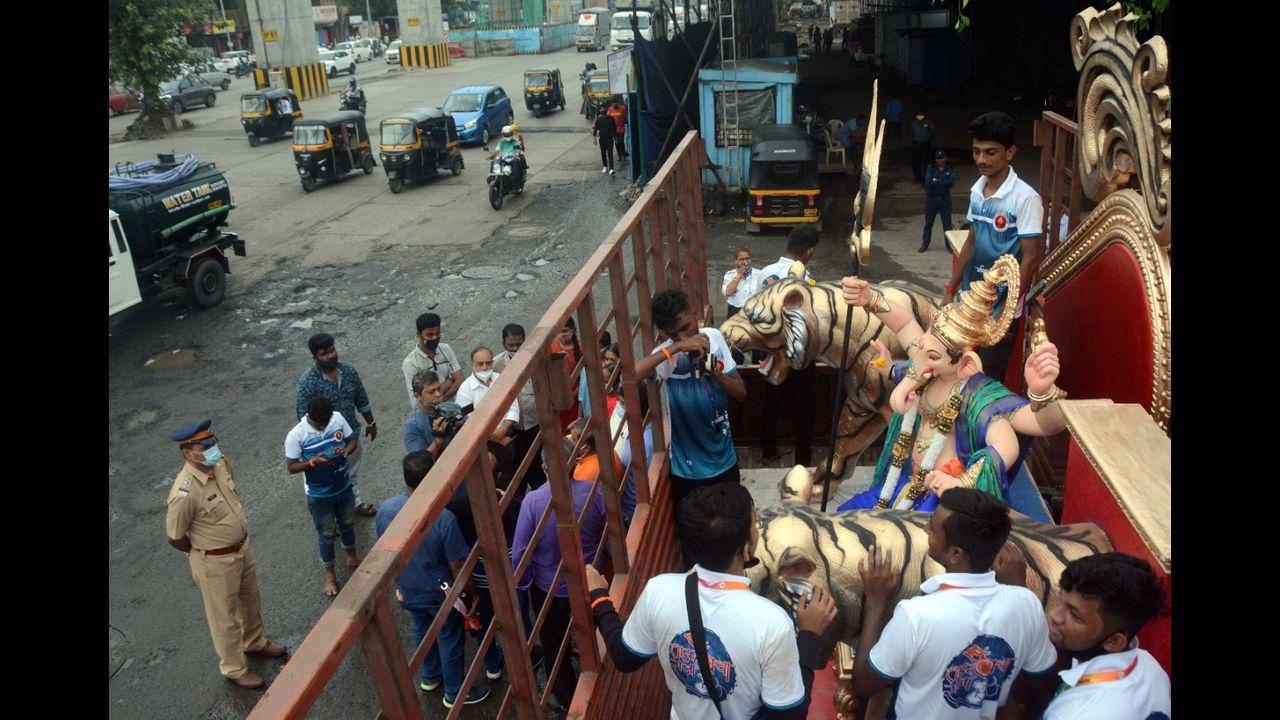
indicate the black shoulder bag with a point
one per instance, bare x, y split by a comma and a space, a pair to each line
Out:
699, 636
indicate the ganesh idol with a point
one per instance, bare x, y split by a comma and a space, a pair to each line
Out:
952, 426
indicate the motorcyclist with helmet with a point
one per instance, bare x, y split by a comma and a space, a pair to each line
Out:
510, 146
353, 96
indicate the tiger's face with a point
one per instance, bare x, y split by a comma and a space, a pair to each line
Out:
779, 321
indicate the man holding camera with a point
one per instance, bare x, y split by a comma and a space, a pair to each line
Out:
427, 429
699, 374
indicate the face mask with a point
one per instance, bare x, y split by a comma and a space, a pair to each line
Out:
211, 456
431, 345
484, 376
328, 364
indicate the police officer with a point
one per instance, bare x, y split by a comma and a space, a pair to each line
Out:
206, 521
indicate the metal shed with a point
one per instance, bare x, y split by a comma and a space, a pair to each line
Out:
765, 90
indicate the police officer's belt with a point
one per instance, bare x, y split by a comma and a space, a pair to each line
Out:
225, 550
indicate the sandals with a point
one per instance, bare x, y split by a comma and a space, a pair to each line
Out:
366, 509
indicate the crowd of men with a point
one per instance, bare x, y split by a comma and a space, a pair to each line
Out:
724, 650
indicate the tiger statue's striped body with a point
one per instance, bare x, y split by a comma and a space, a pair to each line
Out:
797, 324
799, 546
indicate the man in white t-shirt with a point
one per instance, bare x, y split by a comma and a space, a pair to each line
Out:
472, 391
318, 447
802, 243
1104, 601
758, 660
956, 650
741, 282
429, 353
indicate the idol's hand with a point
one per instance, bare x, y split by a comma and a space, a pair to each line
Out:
857, 292
1042, 368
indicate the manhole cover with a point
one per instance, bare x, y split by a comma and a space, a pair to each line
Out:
486, 272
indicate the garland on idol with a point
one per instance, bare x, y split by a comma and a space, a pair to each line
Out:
942, 421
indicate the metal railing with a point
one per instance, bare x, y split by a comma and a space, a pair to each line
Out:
659, 243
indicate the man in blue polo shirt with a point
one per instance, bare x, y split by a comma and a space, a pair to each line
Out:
700, 376
1006, 217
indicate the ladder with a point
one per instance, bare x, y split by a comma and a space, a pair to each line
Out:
729, 95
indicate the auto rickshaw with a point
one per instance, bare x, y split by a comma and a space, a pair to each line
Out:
595, 93
262, 117
330, 146
543, 90
782, 186
419, 143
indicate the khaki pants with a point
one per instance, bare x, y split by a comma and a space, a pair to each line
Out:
229, 584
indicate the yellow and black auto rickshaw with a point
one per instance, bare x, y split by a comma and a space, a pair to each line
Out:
543, 90
268, 114
419, 143
330, 146
782, 185
595, 93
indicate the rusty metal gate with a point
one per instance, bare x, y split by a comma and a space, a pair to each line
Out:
659, 243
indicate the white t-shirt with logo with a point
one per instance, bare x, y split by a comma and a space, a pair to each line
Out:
956, 650
751, 646
778, 271
1142, 694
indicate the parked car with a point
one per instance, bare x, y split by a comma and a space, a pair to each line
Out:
393, 52
337, 61
121, 99
480, 112
360, 52
187, 92
229, 59
212, 74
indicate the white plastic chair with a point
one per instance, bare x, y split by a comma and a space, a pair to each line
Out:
833, 126
834, 147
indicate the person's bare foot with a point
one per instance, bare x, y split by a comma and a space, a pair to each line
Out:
353, 561
330, 582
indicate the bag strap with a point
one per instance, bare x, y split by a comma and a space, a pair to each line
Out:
699, 636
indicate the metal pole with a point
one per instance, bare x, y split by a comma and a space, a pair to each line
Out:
226, 35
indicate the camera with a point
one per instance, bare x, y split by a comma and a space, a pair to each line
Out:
452, 414
701, 363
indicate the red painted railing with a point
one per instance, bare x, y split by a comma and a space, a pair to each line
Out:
659, 243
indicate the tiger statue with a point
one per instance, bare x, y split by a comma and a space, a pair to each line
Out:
796, 324
801, 548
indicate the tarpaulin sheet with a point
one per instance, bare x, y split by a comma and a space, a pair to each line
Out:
661, 109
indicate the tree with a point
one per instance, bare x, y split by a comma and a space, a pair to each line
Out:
145, 48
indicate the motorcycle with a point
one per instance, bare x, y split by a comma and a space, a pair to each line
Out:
349, 102
505, 178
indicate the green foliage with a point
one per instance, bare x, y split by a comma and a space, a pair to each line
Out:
1146, 10
145, 47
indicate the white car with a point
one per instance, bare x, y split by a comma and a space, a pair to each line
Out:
393, 52
337, 61
359, 52
227, 63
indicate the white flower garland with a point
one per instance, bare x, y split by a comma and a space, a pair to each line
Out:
906, 431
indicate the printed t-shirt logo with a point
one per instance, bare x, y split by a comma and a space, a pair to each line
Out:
1001, 221
684, 663
978, 672
337, 435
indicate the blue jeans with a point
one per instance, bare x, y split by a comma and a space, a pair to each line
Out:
444, 657
935, 205
333, 516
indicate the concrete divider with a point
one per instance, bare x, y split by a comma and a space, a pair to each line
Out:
512, 40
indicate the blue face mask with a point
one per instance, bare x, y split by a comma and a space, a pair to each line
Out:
212, 456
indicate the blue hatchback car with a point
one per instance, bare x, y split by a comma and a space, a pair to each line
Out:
480, 112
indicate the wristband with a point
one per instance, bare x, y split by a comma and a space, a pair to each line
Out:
666, 354
311, 463
597, 601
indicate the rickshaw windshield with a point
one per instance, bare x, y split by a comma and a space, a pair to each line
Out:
253, 104
537, 80
398, 134
309, 135
598, 85
462, 102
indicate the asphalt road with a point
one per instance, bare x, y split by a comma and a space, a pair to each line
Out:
350, 259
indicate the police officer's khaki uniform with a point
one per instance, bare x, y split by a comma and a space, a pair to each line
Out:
205, 509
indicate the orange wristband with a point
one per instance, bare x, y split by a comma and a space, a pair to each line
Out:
600, 600
666, 354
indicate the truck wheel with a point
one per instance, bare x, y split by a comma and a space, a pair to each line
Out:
308, 183
254, 140
210, 100
367, 165
208, 285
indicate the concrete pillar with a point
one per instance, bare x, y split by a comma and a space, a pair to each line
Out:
422, 31
285, 38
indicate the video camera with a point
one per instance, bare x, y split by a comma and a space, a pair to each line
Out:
453, 414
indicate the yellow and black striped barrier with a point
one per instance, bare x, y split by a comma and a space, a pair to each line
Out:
307, 81
425, 56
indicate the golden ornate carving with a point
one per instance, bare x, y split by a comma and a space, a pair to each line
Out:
967, 323
1121, 217
1123, 101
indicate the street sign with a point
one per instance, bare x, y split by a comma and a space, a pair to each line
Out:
411, 22
324, 14
620, 71
270, 36
221, 26
355, 20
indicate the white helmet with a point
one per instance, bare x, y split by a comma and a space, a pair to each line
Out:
506, 132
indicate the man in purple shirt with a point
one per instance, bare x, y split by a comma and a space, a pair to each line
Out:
543, 563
